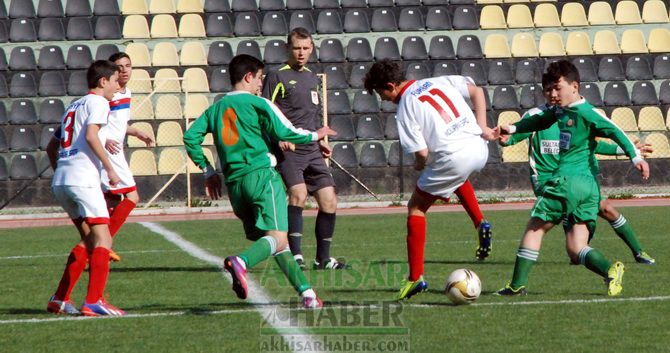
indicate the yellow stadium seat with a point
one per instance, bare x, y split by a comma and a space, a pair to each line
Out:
573, 15
195, 105
193, 169
514, 1
605, 42
496, 46
165, 54
189, 6
172, 161
633, 42
650, 119
140, 82
139, 54
191, 26
659, 143
578, 43
523, 45
600, 13
169, 133
143, 162
659, 40
144, 127
516, 153
134, 7
166, 81
195, 80
627, 12
492, 17
667, 120
518, 16
161, 6
135, 27
168, 106
551, 44
546, 15
654, 11
163, 26
624, 118
508, 117
193, 54
484, 2
141, 107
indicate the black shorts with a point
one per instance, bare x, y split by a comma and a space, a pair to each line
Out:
309, 169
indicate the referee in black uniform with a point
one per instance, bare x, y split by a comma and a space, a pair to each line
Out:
295, 90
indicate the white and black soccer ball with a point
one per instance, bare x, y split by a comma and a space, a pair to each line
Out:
463, 286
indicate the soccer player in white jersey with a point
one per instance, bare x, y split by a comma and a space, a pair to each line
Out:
123, 197
77, 156
433, 117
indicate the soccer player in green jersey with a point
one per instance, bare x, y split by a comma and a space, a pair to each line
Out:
543, 160
572, 193
243, 126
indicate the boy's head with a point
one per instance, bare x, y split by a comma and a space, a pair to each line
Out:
246, 73
300, 46
560, 83
103, 76
385, 78
122, 60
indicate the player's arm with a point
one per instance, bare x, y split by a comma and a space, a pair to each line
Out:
479, 103
409, 130
537, 121
52, 151
274, 123
93, 141
143, 136
612, 149
193, 138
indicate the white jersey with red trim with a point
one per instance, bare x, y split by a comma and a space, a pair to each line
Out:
77, 164
116, 130
433, 114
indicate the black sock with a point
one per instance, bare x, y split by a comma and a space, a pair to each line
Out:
294, 229
325, 227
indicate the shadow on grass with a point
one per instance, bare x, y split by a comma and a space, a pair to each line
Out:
23, 311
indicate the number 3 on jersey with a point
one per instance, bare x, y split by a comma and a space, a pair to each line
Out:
229, 133
445, 116
68, 130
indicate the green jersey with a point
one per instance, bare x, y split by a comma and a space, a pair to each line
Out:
243, 126
578, 125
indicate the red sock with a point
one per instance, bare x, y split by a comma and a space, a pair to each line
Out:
76, 263
98, 272
119, 214
416, 242
466, 194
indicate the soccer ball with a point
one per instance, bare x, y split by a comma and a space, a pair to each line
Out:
463, 286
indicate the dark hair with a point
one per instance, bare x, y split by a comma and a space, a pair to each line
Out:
98, 70
241, 65
119, 55
298, 32
381, 74
556, 70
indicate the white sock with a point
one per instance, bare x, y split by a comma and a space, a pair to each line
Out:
309, 293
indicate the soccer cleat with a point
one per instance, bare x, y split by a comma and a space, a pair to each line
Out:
615, 279
61, 307
312, 303
301, 262
235, 266
643, 258
485, 238
114, 257
508, 291
331, 264
101, 308
410, 288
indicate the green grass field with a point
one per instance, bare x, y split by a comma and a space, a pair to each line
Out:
182, 304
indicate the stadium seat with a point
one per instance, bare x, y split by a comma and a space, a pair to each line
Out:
578, 43
243, 5
345, 154
79, 28
302, 18
194, 106
23, 85
357, 74
380, 3
79, 57
4, 147
275, 52
326, 4
23, 140
4, 90
616, 94
383, 20
444, 68
441, 48
659, 40
142, 163
219, 25
411, 19
217, 6
164, 54
508, 117
3, 113
546, 15
650, 119
605, 42
338, 102
331, 51
445, 2
551, 44
365, 103
189, 6
347, 4
167, 81
46, 135
51, 8
417, 71
591, 92
633, 42
662, 67
386, 48
638, 68
611, 69
465, 17
492, 17
573, 15
660, 143
23, 112
475, 70
518, 16
3, 61
139, 54
140, 81
246, 24
504, 97
624, 118
373, 155
395, 151
249, 47
523, 46
391, 127
643, 93
169, 133
414, 48
77, 84
369, 128
130, 7
337, 78
220, 53
23, 167
107, 27
587, 69
469, 47
531, 96
358, 49
51, 111
141, 107
161, 7
168, 107
135, 27
515, 153
438, 19
100, 8
192, 54
22, 58
388, 107
526, 71
500, 72
134, 142
4, 173
274, 24
271, 5
299, 4
496, 46
21, 9
627, 13
191, 26
600, 13
52, 83
163, 26
51, 29
654, 11
22, 30
171, 161
105, 51
355, 21
192, 168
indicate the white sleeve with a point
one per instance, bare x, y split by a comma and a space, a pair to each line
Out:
460, 83
409, 130
98, 112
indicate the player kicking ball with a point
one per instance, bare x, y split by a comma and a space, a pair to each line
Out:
433, 117
77, 157
244, 126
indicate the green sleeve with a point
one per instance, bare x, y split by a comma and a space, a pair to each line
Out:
274, 123
606, 148
516, 138
193, 138
539, 121
605, 128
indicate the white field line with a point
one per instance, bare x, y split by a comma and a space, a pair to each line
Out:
257, 295
271, 305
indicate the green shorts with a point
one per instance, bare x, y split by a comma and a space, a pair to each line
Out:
259, 200
575, 198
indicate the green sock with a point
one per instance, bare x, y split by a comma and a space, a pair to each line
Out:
525, 259
624, 230
595, 261
260, 250
292, 270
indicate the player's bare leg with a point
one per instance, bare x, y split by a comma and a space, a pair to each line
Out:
417, 207
625, 231
325, 228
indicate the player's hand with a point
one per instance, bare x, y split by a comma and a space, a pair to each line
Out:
488, 134
503, 139
112, 146
645, 148
643, 167
326, 151
113, 178
286, 146
419, 165
213, 187
325, 131
144, 137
